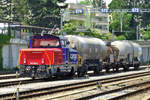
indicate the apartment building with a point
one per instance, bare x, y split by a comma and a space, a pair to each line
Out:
85, 17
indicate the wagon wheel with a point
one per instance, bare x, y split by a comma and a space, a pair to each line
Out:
78, 72
98, 69
126, 67
107, 68
117, 68
136, 66
82, 71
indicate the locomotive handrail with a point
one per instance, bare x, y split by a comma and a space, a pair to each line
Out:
50, 65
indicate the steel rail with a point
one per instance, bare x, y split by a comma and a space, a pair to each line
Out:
117, 90
66, 87
7, 76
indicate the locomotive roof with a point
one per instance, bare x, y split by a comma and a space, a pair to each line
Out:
44, 36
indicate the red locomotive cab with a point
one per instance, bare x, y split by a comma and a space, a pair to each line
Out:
40, 56
43, 53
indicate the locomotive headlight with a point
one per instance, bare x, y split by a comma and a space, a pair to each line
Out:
42, 60
24, 60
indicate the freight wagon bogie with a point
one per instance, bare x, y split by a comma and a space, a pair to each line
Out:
89, 65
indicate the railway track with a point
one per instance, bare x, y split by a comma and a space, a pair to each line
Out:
5, 72
16, 82
57, 90
27, 81
7, 76
143, 87
120, 92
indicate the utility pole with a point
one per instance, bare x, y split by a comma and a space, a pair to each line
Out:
121, 21
61, 19
101, 3
112, 35
137, 32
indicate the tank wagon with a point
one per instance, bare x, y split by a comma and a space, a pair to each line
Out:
91, 51
122, 54
47, 56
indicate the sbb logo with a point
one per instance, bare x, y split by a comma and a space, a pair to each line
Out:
73, 56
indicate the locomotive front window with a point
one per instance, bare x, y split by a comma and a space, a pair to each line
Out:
45, 43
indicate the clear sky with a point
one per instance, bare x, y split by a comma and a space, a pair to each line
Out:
74, 1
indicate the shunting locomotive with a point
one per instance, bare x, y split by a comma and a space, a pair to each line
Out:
47, 56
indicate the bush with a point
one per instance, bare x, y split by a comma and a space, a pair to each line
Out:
121, 37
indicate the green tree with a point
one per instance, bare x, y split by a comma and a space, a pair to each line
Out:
115, 24
143, 4
5, 9
117, 4
20, 11
45, 13
86, 2
121, 37
69, 29
146, 33
136, 19
128, 22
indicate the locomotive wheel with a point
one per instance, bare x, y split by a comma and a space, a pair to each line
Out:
72, 72
136, 66
58, 70
97, 70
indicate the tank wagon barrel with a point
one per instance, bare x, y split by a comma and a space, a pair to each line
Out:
91, 50
124, 54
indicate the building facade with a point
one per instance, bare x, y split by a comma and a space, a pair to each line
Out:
85, 17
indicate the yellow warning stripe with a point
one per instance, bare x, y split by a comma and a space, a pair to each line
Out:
18, 61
